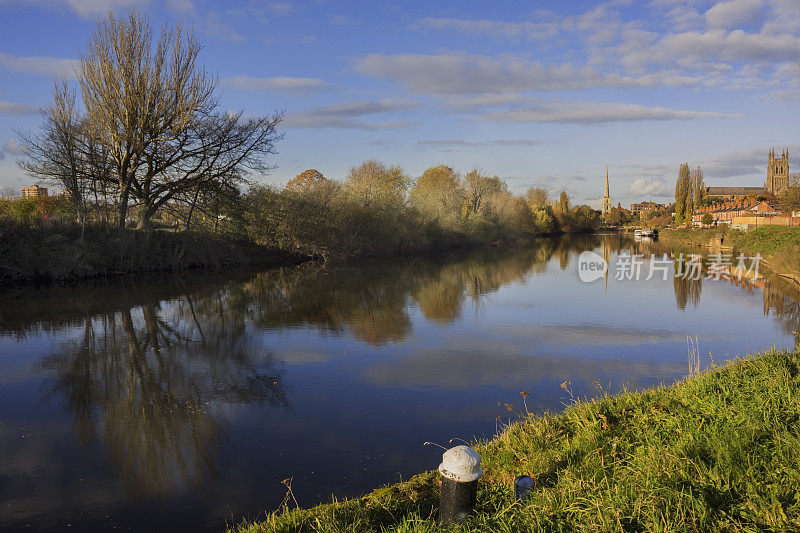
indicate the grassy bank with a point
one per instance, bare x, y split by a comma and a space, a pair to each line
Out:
779, 245
56, 252
720, 451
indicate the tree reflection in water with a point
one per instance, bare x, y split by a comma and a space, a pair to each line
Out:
151, 370
781, 300
688, 288
153, 367
144, 381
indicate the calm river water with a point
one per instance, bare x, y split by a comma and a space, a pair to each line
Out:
184, 403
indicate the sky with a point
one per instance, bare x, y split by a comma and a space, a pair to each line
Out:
544, 93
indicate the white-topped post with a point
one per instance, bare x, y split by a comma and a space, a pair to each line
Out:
460, 470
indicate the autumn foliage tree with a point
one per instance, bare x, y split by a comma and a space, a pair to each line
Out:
306, 179
438, 195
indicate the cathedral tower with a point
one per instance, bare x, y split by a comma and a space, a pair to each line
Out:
606, 197
778, 172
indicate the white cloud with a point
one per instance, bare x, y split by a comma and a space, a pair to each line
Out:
595, 113
345, 115
735, 46
278, 83
460, 73
84, 8
454, 145
183, 7
339, 20
13, 108
650, 188
11, 147
750, 164
735, 13
91, 8
280, 8
51, 66
492, 28
487, 100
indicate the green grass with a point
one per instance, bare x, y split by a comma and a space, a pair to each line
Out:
768, 240
719, 451
779, 245
695, 236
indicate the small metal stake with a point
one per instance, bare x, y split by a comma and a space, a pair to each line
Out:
522, 485
461, 470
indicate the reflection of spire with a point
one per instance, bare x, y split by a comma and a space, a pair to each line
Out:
605, 250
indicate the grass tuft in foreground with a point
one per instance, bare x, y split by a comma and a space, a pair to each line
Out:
720, 451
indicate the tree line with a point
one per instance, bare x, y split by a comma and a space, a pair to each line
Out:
378, 209
142, 137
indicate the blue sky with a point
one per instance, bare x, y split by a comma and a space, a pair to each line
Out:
544, 94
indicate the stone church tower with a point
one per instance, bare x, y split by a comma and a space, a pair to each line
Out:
778, 172
606, 197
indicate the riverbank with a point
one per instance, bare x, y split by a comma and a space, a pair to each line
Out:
718, 451
62, 253
59, 254
779, 246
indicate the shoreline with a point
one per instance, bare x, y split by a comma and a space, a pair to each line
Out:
59, 258
711, 451
781, 260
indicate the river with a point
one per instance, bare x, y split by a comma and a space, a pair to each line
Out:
191, 402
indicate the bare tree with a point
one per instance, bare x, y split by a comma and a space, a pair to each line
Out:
215, 153
140, 98
151, 130
60, 152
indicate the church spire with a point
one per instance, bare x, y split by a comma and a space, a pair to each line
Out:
606, 196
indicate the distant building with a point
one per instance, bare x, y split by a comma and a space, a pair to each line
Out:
606, 197
34, 191
734, 193
777, 172
642, 209
744, 214
778, 178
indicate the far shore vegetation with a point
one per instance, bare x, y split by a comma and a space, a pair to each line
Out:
715, 452
153, 173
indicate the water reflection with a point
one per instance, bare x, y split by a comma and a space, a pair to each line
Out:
153, 375
143, 381
781, 300
687, 287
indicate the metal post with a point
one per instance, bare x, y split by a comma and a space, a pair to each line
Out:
461, 470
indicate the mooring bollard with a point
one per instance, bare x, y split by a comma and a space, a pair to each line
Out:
461, 470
